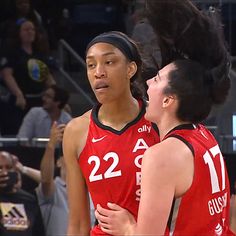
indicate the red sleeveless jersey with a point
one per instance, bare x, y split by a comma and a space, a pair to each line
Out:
204, 208
111, 161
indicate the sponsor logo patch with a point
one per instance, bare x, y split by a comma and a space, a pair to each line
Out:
14, 216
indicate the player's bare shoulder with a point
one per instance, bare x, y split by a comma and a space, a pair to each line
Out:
79, 123
77, 129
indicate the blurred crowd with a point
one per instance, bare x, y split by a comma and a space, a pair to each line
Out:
29, 35
32, 104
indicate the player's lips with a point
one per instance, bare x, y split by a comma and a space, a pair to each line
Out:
100, 85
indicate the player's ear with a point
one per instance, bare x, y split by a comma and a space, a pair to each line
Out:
168, 100
132, 69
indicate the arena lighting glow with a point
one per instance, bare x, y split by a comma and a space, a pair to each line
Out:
234, 131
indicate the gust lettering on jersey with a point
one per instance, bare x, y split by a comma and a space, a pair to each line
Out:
140, 144
216, 205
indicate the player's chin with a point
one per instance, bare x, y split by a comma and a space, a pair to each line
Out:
102, 99
99, 96
147, 114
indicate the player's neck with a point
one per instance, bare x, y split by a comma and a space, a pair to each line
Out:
166, 125
119, 114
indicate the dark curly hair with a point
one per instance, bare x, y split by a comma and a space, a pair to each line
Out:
185, 32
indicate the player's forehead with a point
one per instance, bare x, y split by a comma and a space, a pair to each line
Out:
167, 69
103, 49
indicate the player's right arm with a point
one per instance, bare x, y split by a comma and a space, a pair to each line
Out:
74, 140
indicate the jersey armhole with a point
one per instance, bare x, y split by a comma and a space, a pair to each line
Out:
174, 200
85, 139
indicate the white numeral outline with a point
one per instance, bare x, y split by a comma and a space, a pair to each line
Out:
213, 175
109, 173
93, 176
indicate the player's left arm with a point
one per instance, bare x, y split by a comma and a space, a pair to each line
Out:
166, 174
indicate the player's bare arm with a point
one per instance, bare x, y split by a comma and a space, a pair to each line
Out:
158, 161
163, 170
73, 141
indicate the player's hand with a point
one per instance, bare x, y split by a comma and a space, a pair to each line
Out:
115, 220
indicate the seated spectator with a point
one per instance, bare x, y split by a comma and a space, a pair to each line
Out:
25, 74
15, 204
16, 10
52, 193
38, 121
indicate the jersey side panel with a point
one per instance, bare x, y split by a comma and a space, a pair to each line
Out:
204, 209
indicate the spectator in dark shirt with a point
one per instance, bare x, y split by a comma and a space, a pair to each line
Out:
16, 10
25, 73
19, 211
